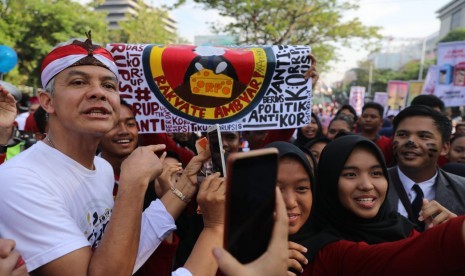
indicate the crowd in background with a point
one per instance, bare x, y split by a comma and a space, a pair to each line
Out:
84, 193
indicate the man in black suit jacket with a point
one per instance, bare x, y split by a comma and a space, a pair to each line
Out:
421, 136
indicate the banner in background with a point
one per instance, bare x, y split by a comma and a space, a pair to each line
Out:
414, 89
357, 98
430, 80
450, 86
397, 96
382, 99
185, 88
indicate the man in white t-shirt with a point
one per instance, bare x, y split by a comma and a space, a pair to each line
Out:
57, 198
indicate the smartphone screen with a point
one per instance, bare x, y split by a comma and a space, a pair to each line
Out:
216, 149
250, 200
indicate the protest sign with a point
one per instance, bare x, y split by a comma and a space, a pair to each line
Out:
450, 86
414, 89
357, 98
183, 88
382, 99
430, 80
397, 96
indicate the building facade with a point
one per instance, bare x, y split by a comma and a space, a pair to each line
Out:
452, 16
117, 10
399, 51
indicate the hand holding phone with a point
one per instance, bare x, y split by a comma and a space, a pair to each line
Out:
250, 202
271, 263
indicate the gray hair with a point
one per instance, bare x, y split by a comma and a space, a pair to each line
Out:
50, 88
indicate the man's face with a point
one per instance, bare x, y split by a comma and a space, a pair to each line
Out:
418, 144
122, 139
231, 141
85, 101
370, 120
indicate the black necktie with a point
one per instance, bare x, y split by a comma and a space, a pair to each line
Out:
417, 203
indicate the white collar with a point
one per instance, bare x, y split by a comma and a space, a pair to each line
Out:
408, 183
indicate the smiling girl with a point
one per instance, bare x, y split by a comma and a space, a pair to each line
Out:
354, 231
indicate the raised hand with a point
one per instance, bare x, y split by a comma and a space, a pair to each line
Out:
312, 72
168, 177
195, 165
7, 108
273, 262
142, 165
211, 199
433, 213
297, 259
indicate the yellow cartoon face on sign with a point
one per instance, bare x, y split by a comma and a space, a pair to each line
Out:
208, 84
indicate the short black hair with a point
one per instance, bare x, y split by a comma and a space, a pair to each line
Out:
124, 103
376, 106
442, 122
428, 100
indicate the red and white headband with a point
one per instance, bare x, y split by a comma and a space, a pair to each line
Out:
64, 57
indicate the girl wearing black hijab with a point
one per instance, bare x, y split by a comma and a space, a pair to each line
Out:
309, 132
353, 231
295, 178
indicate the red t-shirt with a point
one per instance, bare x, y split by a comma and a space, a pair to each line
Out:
385, 144
278, 135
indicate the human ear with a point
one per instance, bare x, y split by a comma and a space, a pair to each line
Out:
445, 149
46, 101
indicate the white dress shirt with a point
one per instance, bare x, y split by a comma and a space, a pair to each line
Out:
428, 188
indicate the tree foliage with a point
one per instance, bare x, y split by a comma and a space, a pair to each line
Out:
33, 27
318, 23
145, 27
455, 35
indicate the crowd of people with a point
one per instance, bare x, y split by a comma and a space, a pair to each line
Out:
93, 196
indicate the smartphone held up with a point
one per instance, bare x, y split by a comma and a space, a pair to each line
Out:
216, 150
250, 201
